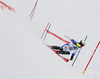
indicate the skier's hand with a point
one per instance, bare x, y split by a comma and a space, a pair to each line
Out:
71, 59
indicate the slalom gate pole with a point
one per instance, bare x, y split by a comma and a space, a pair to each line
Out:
9, 8
45, 30
91, 57
58, 37
78, 52
32, 13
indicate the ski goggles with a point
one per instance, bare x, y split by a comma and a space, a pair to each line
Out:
78, 45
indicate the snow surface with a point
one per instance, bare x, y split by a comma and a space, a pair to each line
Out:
24, 56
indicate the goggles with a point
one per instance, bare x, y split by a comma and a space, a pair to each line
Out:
78, 45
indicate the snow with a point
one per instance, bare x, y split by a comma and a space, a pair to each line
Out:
23, 54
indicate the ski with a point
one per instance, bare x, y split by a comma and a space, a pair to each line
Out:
55, 51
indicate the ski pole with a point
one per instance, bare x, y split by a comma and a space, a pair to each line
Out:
67, 37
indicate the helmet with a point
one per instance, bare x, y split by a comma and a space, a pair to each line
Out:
73, 41
80, 44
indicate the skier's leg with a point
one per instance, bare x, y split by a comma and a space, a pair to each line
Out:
63, 52
72, 56
57, 47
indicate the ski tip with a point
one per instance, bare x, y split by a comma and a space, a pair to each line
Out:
66, 60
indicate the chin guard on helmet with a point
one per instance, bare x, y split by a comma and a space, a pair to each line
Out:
81, 43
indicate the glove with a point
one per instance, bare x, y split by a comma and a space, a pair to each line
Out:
71, 59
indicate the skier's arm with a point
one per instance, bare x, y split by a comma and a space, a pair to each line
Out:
73, 54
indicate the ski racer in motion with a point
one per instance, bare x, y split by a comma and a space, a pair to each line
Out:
74, 46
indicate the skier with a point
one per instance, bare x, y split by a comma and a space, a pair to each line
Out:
74, 46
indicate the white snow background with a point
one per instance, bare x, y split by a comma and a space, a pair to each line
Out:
23, 54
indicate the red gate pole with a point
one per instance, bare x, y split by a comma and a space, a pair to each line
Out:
91, 57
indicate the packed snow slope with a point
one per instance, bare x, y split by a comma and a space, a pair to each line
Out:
24, 56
